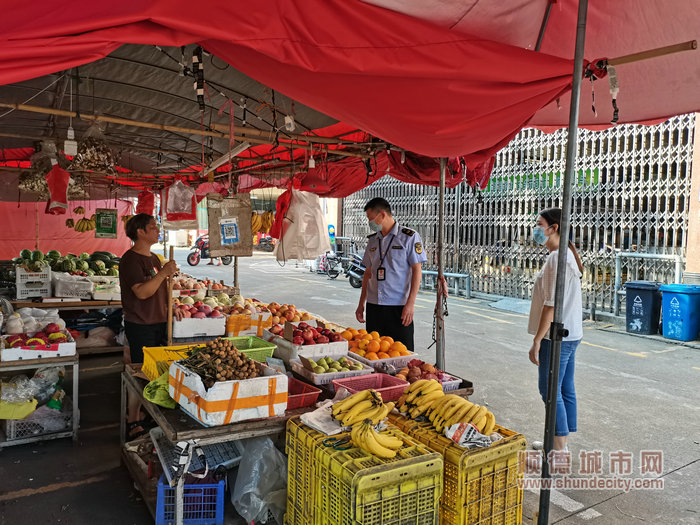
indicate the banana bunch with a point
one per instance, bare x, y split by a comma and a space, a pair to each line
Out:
452, 409
268, 218
84, 225
256, 222
380, 444
365, 405
419, 398
70, 223
79, 210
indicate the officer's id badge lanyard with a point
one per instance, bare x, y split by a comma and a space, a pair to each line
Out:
381, 271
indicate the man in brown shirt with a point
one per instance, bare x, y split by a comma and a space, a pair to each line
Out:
144, 298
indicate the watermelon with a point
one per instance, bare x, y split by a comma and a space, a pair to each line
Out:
37, 255
18, 260
69, 265
100, 257
56, 264
25, 254
100, 265
84, 256
83, 266
71, 256
113, 272
89, 272
54, 254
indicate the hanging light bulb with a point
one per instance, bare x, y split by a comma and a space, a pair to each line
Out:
312, 162
70, 146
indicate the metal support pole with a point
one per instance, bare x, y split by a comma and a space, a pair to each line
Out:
235, 272
557, 331
618, 283
439, 321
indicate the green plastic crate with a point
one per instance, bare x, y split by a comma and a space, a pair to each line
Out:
254, 347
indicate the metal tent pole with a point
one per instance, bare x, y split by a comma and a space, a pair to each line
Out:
557, 330
439, 320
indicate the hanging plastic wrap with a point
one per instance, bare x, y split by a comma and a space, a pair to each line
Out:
78, 187
304, 229
179, 207
94, 154
146, 202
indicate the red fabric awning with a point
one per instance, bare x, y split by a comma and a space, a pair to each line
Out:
431, 90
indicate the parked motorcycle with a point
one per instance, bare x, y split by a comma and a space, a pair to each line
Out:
355, 271
200, 251
266, 244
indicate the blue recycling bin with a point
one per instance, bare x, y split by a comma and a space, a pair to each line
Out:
643, 307
681, 311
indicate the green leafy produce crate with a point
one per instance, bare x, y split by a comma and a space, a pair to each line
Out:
481, 485
353, 487
254, 347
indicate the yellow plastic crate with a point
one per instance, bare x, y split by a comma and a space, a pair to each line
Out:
480, 485
169, 354
352, 487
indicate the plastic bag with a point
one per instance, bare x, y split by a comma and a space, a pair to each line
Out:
146, 202
261, 484
179, 207
94, 153
57, 180
305, 232
156, 392
40, 387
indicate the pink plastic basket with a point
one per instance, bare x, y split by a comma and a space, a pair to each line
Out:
391, 388
300, 394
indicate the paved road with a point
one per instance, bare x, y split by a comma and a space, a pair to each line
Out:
634, 393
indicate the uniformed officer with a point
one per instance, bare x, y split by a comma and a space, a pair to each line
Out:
393, 260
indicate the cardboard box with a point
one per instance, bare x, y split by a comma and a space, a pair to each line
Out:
229, 401
36, 352
209, 326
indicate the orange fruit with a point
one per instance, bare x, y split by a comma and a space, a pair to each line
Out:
397, 346
375, 335
394, 353
367, 337
387, 338
371, 356
346, 334
373, 346
383, 355
405, 352
362, 331
362, 344
384, 346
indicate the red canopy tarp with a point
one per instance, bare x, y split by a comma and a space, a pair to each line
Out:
431, 90
19, 230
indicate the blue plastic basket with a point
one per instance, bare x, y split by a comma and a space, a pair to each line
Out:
203, 503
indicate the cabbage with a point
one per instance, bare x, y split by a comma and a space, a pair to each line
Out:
187, 300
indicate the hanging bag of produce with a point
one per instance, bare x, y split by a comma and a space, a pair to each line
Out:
146, 202
179, 207
94, 154
57, 181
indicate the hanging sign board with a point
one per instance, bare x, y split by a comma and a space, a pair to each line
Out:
105, 223
230, 225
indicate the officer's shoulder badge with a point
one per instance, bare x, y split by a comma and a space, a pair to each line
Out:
419, 248
408, 231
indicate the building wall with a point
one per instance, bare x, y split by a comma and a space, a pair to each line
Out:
631, 195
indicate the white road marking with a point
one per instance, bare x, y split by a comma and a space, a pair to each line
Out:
332, 302
589, 514
568, 504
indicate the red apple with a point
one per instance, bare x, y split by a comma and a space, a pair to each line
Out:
52, 328
198, 304
289, 315
322, 339
199, 315
187, 314
205, 308
303, 326
215, 313
298, 340
336, 338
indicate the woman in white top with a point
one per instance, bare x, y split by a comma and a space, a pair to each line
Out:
542, 314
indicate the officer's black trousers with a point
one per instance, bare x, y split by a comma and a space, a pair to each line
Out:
386, 319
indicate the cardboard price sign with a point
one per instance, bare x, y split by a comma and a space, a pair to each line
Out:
106, 223
230, 225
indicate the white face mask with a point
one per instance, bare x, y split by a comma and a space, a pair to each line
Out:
374, 226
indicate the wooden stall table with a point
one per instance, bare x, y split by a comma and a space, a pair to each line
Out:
76, 305
33, 364
178, 426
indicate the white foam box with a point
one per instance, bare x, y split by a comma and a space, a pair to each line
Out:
20, 353
324, 379
229, 401
209, 326
288, 351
